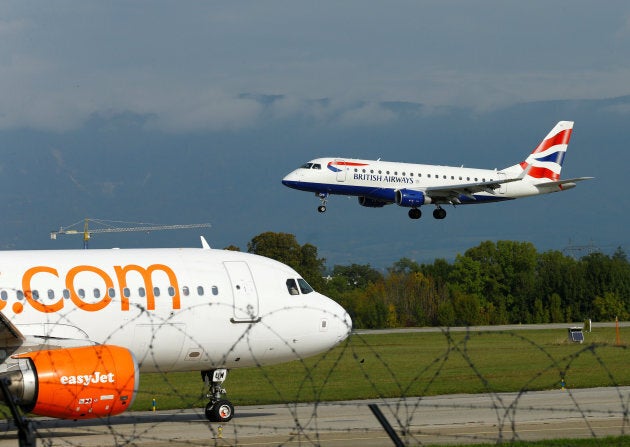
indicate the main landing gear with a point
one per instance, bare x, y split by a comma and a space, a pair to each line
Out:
218, 409
438, 213
322, 197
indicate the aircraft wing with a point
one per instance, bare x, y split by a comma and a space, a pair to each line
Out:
564, 181
9, 334
10, 337
450, 193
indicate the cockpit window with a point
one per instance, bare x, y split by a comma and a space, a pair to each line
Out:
292, 287
307, 165
304, 286
316, 166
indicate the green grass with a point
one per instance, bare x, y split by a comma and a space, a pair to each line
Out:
618, 441
412, 364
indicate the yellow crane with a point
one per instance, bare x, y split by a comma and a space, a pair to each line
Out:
108, 226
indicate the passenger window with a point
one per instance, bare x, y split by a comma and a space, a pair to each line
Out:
292, 287
141, 292
97, 293
200, 291
304, 286
66, 293
126, 292
35, 294
19, 294
51, 294
171, 291
4, 295
111, 292
156, 291
215, 290
185, 291
81, 293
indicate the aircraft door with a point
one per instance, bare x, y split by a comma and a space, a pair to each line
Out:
245, 296
503, 187
341, 174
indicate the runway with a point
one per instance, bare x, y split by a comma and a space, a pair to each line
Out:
437, 420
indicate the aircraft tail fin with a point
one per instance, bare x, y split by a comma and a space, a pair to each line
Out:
545, 162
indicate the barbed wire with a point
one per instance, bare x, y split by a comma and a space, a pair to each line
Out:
417, 413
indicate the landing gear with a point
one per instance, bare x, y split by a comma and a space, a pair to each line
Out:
218, 409
322, 197
415, 213
439, 213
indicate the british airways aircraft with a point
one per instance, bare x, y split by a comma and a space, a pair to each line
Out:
379, 183
77, 327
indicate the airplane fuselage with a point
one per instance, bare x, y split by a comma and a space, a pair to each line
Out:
379, 180
174, 309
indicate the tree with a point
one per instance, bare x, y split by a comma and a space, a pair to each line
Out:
356, 275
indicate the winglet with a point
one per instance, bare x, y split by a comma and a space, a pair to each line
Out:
204, 243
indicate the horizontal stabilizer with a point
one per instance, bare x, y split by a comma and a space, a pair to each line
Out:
564, 181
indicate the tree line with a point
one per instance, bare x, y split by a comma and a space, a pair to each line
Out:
493, 283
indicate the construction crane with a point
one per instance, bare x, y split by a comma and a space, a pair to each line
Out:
109, 228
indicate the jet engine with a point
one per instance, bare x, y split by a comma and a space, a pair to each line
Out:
75, 383
411, 198
371, 203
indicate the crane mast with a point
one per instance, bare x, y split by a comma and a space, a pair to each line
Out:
108, 228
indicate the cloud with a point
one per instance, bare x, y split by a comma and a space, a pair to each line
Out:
186, 66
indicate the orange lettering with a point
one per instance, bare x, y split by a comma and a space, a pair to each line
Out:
26, 287
146, 274
90, 307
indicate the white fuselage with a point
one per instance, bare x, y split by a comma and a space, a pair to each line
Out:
379, 180
175, 309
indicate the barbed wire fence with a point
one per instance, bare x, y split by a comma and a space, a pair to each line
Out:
409, 390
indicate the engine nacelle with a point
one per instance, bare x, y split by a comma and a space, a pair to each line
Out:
371, 203
76, 383
411, 198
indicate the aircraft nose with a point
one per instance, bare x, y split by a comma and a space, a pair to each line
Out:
342, 322
291, 178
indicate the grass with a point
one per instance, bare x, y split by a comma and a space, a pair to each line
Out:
412, 364
618, 441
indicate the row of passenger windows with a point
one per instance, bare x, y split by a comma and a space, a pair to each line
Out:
111, 292
476, 179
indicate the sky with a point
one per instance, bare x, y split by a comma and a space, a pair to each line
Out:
185, 112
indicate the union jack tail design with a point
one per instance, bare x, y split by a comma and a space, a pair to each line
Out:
545, 162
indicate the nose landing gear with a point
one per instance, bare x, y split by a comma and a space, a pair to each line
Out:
218, 409
322, 197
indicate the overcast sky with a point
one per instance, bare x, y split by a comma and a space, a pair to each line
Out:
232, 95
187, 63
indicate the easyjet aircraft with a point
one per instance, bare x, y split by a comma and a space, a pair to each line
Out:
379, 183
78, 326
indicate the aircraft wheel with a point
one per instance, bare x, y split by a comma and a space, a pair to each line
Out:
415, 213
220, 411
321, 209
439, 213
